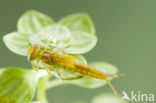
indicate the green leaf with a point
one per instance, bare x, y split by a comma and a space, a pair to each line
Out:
32, 21
89, 82
57, 31
36, 102
1, 70
17, 42
81, 42
57, 34
17, 85
79, 22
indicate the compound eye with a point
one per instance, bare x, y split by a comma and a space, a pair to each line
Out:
36, 48
33, 52
30, 51
30, 58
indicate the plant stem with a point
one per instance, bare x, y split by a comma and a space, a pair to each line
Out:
41, 92
41, 95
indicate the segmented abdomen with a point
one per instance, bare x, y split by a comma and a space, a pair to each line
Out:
88, 71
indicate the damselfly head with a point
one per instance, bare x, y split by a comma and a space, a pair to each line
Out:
33, 52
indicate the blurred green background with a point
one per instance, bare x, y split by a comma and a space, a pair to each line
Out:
127, 38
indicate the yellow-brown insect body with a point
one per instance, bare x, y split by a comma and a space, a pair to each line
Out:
70, 63
52, 58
